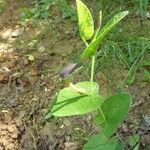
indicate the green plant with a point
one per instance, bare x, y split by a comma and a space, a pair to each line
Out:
67, 11
2, 5
41, 9
84, 97
143, 5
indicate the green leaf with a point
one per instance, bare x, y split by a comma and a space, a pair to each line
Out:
91, 49
115, 109
134, 139
86, 24
100, 142
70, 102
99, 120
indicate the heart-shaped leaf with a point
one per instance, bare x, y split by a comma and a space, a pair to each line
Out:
86, 24
91, 49
115, 109
100, 142
70, 102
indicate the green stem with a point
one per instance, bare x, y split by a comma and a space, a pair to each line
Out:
93, 63
102, 114
92, 68
86, 43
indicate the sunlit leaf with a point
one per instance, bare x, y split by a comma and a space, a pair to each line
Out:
70, 102
91, 49
86, 24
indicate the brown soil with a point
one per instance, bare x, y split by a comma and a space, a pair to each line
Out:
10, 130
29, 64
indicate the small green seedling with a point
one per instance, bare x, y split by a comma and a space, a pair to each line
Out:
134, 141
84, 97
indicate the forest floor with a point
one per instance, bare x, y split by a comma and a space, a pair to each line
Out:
31, 56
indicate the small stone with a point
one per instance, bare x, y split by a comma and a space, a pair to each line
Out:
3, 127
14, 135
4, 133
11, 146
5, 142
71, 146
17, 32
44, 111
124, 127
31, 57
18, 122
10, 128
41, 49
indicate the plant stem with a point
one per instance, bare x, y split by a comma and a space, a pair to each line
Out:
92, 68
102, 114
86, 43
93, 63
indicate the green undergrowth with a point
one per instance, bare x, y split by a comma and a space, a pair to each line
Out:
127, 55
3, 5
127, 48
48, 9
